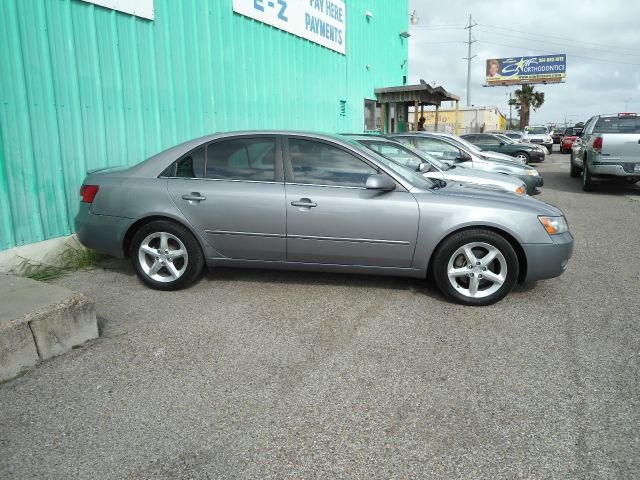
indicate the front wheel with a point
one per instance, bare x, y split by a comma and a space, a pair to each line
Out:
166, 256
475, 267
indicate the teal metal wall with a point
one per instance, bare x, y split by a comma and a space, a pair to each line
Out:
84, 87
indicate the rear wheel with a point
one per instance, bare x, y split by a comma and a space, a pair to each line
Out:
524, 156
587, 182
475, 267
166, 256
573, 170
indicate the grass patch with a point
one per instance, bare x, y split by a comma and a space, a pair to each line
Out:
71, 260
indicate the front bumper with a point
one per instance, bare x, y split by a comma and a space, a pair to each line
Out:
103, 233
537, 156
532, 183
548, 260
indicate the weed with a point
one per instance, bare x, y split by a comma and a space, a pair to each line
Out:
70, 260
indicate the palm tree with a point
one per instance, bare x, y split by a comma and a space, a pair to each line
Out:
526, 99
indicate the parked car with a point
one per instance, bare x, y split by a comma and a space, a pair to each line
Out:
457, 152
608, 148
539, 135
526, 152
569, 136
304, 201
514, 135
557, 134
434, 169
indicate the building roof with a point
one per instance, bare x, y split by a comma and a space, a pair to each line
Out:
423, 93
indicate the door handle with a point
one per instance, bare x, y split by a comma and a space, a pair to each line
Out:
194, 197
304, 202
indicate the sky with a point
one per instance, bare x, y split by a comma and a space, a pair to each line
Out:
601, 40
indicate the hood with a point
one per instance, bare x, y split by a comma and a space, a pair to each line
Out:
474, 173
501, 199
501, 156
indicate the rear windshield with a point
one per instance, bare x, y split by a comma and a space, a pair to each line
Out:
617, 125
537, 130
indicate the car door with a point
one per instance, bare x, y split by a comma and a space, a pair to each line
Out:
332, 218
232, 192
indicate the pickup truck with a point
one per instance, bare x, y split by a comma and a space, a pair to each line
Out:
608, 147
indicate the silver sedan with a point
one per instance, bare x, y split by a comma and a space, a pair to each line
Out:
294, 200
433, 168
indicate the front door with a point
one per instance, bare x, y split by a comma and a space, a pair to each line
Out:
230, 192
333, 219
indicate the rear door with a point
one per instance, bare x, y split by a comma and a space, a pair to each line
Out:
333, 219
232, 191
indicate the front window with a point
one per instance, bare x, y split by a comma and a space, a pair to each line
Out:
437, 147
318, 163
537, 130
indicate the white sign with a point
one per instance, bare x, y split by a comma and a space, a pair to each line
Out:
320, 21
139, 8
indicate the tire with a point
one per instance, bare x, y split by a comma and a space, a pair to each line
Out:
166, 256
573, 170
562, 150
523, 156
468, 248
550, 149
587, 182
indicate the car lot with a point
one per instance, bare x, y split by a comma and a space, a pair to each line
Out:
256, 374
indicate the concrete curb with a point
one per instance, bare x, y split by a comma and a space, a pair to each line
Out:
33, 332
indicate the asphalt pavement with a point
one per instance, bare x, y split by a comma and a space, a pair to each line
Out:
263, 374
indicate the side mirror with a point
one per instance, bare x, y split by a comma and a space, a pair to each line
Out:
380, 182
424, 167
463, 157
502, 144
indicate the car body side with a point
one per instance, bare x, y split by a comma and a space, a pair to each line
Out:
132, 197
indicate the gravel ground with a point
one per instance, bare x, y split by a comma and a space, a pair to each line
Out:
261, 374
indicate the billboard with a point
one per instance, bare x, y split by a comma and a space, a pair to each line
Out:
320, 21
516, 70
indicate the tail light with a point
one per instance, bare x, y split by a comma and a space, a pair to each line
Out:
597, 145
88, 193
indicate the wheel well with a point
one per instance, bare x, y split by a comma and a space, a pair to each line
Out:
522, 152
137, 225
522, 258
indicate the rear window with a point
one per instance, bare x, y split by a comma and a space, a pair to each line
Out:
617, 125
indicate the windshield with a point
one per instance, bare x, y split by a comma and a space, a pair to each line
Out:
617, 125
465, 143
406, 173
537, 130
506, 139
403, 154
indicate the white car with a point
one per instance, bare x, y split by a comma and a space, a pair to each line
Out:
538, 134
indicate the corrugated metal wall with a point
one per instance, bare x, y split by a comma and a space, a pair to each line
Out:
83, 87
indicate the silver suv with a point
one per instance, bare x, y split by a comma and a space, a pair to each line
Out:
609, 147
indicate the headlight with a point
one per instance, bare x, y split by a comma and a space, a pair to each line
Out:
554, 225
533, 173
549, 139
521, 190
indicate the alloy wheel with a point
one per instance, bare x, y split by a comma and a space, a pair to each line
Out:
477, 270
163, 257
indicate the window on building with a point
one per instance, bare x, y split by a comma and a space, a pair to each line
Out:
371, 115
191, 166
318, 163
242, 159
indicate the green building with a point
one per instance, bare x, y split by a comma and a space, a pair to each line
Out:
85, 86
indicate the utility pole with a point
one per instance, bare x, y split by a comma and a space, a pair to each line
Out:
510, 107
468, 58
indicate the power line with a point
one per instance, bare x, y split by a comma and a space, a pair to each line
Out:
436, 43
568, 54
558, 43
561, 38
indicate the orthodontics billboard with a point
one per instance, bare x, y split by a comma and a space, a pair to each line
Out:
517, 70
